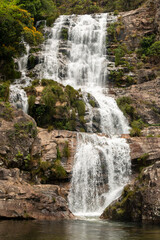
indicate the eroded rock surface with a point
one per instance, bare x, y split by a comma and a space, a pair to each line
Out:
20, 200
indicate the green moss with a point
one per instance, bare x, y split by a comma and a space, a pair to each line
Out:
120, 52
27, 161
6, 111
59, 156
80, 107
142, 161
124, 103
66, 151
116, 77
64, 34
4, 91
58, 171
22, 129
92, 103
82, 130
137, 126
116, 12
60, 107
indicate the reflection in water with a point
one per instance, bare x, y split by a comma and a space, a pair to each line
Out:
76, 230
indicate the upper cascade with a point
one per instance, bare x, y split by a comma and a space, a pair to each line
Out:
84, 50
76, 54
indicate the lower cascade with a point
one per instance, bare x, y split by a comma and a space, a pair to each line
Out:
101, 170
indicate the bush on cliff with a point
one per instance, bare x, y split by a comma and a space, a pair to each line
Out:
11, 37
4, 91
59, 107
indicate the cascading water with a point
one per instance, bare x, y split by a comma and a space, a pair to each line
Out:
101, 169
102, 165
18, 96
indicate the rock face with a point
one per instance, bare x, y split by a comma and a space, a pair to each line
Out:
49, 142
146, 99
38, 155
17, 134
20, 200
143, 150
140, 201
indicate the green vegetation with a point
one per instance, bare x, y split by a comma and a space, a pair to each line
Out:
40, 9
149, 49
23, 14
66, 151
10, 37
6, 111
64, 34
50, 171
124, 103
119, 54
137, 126
121, 210
93, 6
23, 129
142, 161
126, 106
119, 77
59, 107
92, 103
4, 91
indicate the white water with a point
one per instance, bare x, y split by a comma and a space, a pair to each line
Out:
100, 171
18, 96
102, 165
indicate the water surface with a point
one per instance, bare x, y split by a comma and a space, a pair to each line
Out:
76, 230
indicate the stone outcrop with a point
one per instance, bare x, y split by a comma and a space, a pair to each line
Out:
140, 201
50, 141
17, 134
146, 99
20, 200
144, 151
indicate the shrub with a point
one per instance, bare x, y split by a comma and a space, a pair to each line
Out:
4, 91
64, 34
48, 97
117, 77
66, 151
31, 102
154, 50
124, 103
119, 54
80, 107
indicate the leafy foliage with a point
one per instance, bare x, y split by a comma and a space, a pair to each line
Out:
4, 91
10, 37
59, 106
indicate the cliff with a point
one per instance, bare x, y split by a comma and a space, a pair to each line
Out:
140, 199
28, 157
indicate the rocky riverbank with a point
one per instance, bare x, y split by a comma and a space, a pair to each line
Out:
28, 155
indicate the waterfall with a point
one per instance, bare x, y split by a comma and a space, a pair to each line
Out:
101, 165
75, 54
100, 171
18, 96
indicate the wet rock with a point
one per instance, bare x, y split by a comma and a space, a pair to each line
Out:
140, 201
33, 60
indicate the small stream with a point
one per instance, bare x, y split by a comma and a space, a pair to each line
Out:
77, 230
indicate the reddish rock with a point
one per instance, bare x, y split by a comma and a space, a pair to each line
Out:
20, 200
